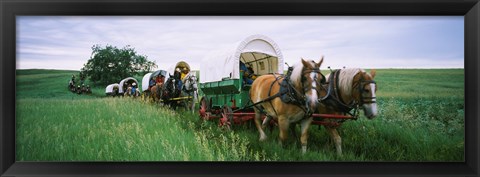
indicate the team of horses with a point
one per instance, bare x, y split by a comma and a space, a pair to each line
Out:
176, 92
79, 89
337, 93
306, 90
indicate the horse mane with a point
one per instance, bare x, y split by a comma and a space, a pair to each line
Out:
296, 75
345, 80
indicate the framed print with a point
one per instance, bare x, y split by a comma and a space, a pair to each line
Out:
239, 88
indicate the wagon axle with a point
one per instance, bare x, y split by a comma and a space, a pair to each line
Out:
228, 118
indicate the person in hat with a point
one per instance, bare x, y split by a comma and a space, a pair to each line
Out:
160, 79
183, 74
151, 82
79, 90
134, 89
84, 90
89, 90
73, 78
247, 73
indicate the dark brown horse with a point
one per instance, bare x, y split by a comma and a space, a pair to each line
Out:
156, 92
350, 89
303, 81
171, 91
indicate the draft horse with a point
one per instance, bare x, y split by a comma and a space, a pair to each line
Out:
265, 94
190, 89
348, 89
170, 90
156, 92
71, 86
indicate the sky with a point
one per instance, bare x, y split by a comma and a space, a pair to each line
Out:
65, 42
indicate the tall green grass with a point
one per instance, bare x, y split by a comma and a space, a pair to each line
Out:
119, 129
421, 118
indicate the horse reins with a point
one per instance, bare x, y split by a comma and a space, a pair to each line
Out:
297, 99
346, 108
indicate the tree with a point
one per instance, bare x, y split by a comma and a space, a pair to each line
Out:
109, 64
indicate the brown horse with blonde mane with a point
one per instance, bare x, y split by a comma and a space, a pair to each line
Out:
349, 89
156, 92
266, 94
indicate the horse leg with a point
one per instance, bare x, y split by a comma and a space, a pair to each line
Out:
257, 120
283, 126
336, 138
305, 124
195, 100
266, 121
192, 108
293, 132
192, 104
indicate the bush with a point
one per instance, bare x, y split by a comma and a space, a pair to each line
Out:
110, 64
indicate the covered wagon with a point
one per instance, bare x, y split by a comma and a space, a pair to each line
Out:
181, 86
123, 85
149, 80
223, 77
112, 90
151, 76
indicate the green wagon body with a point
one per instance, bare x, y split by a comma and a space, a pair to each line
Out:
224, 93
228, 92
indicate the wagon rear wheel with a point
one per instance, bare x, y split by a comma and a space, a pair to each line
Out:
226, 121
204, 110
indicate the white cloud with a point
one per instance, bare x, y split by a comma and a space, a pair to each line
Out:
354, 41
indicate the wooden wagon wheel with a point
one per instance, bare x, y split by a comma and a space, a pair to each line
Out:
226, 121
204, 110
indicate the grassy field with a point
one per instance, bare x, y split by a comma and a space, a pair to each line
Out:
421, 118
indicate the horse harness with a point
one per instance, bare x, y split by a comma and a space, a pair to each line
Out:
289, 94
334, 99
190, 79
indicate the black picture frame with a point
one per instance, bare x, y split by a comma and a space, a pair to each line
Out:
470, 9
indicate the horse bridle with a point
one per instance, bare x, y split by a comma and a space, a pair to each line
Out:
191, 79
305, 90
361, 89
309, 71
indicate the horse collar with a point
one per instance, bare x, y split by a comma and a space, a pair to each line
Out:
334, 98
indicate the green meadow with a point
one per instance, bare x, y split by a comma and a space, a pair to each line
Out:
421, 118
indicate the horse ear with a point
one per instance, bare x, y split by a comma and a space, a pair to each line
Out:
320, 62
305, 63
373, 72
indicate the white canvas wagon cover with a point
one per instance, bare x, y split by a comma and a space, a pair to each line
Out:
120, 89
150, 76
145, 81
109, 88
180, 64
260, 50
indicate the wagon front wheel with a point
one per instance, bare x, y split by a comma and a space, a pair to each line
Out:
226, 121
204, 110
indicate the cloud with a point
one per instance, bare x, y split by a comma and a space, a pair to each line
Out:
417, 42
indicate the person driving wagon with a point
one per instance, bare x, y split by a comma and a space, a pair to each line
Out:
248, 73
159, 79
183, 74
